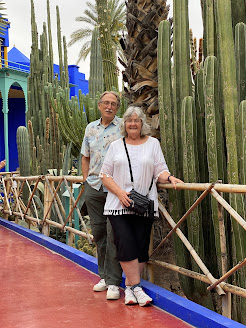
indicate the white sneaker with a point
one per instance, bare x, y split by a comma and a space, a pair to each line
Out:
100, 286
142, 298
113, 292
129, 296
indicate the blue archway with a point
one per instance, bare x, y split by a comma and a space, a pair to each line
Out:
13, 87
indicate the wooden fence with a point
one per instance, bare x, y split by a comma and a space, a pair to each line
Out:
12, 204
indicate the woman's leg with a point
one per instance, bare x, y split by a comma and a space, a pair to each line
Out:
131, 270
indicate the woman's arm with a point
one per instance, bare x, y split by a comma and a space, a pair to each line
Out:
165, 177
114, 188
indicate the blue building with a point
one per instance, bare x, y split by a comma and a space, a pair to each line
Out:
14, 71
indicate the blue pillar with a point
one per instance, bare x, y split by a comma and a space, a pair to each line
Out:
6, 130
6, 141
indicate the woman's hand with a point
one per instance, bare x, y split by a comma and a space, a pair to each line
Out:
173, 180
165, 177
123, 197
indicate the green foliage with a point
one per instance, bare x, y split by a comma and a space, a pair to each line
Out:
210, 143
116, 17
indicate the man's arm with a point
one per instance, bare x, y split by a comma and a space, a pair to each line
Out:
85, 167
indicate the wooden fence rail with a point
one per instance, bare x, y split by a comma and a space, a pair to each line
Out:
11, 203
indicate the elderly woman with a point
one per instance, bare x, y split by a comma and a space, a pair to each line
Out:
132, 231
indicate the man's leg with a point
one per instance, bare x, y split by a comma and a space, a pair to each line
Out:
112, 266
95, 201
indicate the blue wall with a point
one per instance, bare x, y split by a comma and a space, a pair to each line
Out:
20, 62
16, 117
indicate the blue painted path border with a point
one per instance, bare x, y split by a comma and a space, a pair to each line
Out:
192, 313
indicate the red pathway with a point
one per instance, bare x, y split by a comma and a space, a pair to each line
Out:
41, 289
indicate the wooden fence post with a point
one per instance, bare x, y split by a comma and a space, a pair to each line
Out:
7, 186
47, 200
226, 299
70, 235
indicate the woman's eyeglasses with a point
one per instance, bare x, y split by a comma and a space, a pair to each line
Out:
129, 120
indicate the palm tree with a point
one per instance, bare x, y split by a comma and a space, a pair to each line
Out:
117, 26
140, 48
3, 20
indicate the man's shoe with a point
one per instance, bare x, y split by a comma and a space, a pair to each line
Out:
100, 286
129, 296
142, 298
113, 292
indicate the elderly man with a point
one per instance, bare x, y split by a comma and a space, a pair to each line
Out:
98, 136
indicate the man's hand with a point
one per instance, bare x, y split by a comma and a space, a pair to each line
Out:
85, 167
2, 164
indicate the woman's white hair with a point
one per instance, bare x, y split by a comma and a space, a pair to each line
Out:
145, 129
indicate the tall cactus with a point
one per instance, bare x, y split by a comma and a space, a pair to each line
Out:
219, 88
109, 60
43, 125
182, 74
96, 69
238, 8
22, 140
213, 139
167, 137
230, 99
240, 52
190, 171
242, 153
209, 25
229, 85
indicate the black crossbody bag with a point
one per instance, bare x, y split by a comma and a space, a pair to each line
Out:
140, 204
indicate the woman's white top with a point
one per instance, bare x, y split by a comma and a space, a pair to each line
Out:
147, 161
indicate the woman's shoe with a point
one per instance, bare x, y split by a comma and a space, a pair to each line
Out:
142, 298
129, 296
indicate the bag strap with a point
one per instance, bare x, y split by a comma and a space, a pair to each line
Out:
129, 162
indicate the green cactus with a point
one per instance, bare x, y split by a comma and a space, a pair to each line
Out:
190, 171
110, 70
214, 139
240, 52
96, 67
210, 29
42, 119
219, 88
238, 8
242, 154
182, 75
22, 140
72, 119
167, 136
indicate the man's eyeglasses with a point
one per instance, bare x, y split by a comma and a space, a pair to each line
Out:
107, 103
